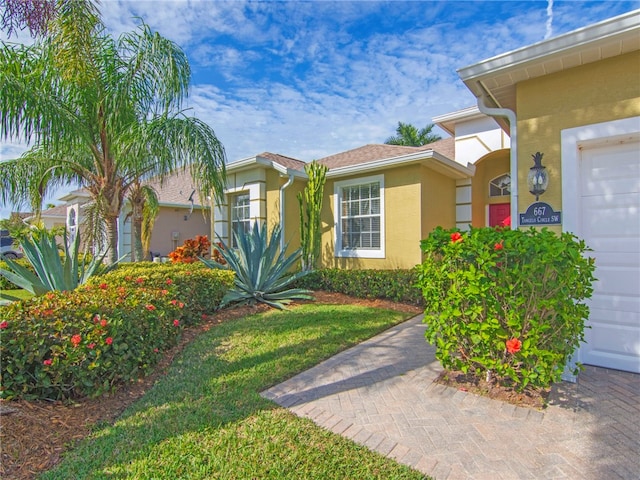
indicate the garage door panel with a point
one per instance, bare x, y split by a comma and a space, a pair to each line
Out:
614, 250
618, 215
609, 170
619, 310
619, 345
611, 280
610, 226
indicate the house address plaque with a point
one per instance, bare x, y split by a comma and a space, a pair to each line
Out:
540, 213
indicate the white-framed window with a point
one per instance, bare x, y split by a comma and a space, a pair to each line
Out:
359, 206
240, 216
500, 186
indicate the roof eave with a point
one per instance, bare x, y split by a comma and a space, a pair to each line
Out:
510, 67
262, 162
429, 158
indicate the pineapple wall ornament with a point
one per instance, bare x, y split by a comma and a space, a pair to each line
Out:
538, 178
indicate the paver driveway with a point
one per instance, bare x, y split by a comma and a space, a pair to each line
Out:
381, 394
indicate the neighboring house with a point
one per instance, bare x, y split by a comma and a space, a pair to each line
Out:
576, 99
180, 217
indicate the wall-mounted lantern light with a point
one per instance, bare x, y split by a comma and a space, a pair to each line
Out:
538, 178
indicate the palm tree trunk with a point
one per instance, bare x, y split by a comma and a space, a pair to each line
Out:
112, 239
137, 253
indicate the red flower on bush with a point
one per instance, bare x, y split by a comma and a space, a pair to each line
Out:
176, 323
174, 302
48, 361
164, 292
513, 345
91, 346
456, 237
103, 286
169, 281
139, 280
103, 323
108, 341
498, 246
75, 340
150, 307
4, 324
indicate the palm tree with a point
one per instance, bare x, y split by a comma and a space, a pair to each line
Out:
410, 136
100, 112
34, 15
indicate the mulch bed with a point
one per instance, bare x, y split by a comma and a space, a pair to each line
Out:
531, 397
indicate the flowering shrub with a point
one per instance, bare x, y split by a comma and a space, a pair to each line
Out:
199, 288
87, 341
505, 304
83, 342
191, 250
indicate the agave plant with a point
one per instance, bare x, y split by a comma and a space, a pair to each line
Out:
261, 269
51, 271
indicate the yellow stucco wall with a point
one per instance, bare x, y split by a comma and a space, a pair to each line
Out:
417, 199
489, 167
291, 231
598, 92
438, 203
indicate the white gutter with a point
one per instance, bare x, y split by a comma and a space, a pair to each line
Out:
513, 130
282, 189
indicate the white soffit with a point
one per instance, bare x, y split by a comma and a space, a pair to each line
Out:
499, 75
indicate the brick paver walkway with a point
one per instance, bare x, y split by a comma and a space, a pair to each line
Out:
381, 394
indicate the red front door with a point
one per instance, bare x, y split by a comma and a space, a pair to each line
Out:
499, 214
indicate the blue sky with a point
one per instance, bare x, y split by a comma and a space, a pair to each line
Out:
309, 79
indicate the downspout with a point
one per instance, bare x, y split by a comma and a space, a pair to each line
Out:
513, 129
282, 189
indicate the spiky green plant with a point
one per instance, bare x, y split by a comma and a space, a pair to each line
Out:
51, 271
261, 269
310, 201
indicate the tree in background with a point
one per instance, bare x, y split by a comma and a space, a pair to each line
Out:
410, 136
310, 200
100, 112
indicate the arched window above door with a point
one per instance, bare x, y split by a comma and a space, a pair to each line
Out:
500, 186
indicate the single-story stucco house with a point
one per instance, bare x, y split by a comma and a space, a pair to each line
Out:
574, 99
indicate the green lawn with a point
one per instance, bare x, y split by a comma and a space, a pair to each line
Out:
206, 420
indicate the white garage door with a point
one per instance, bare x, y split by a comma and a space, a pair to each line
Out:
610, 217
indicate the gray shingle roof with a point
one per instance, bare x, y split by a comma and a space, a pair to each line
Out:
373, 152
286, 162
175, 188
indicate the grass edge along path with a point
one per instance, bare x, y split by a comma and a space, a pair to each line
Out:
206, 419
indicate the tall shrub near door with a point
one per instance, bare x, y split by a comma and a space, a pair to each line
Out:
310, 201
504, 304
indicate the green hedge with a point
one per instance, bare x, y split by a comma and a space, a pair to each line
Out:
88, 341
396, 285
